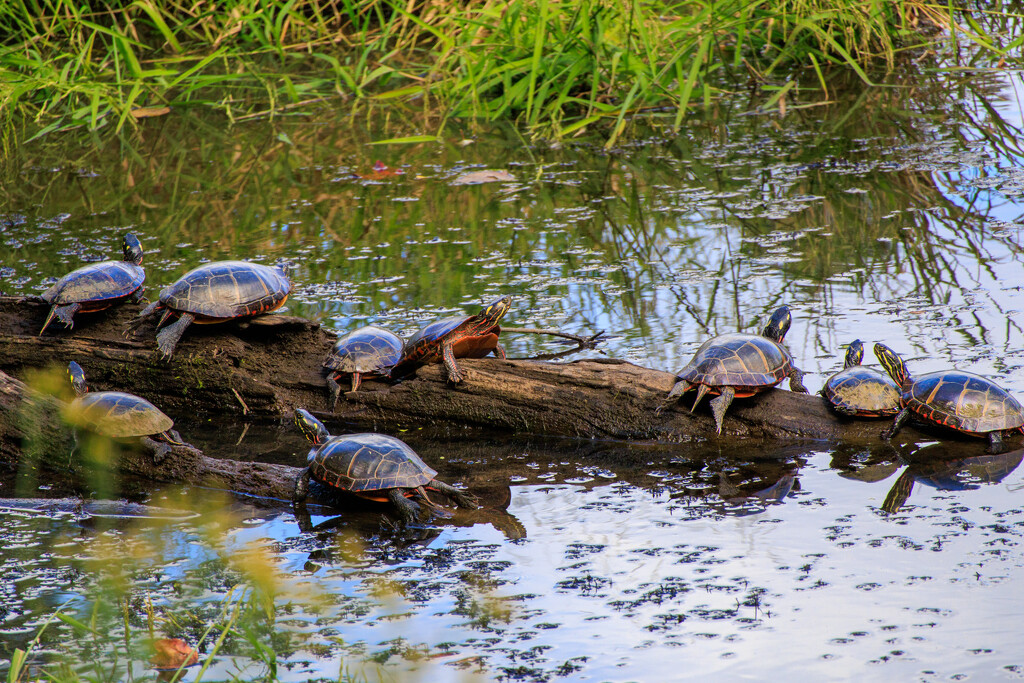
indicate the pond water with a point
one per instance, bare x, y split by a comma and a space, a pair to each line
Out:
871, 218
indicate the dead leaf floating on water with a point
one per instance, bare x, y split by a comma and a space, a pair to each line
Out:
380, 171
485, 176
172, 653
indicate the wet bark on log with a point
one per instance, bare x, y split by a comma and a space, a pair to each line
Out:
267, 367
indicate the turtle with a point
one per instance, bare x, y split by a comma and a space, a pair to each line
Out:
212, 293
962, 401
368, 350
120, 415
97, 286
860, 391
738, 364
444, 340
373, 466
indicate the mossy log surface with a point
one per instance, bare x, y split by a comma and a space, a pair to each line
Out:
266, 367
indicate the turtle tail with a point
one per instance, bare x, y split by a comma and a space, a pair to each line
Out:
136, 322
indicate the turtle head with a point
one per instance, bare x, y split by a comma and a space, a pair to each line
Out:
77, 376
312, 428
778, 325
893, 364
132, 248
854, 353
495, 311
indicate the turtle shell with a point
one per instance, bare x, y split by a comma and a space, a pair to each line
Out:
99, 283
749, 362
118, 415
862, 391
366, 350
227, 289
963, 401
367, 462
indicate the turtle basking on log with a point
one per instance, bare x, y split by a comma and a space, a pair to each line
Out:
97, 286
213, 293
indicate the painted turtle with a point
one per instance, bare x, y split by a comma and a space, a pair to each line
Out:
472, 336
121, 416
367, 351
738, 365
97, 286
860, 391
962, 401
214, 293
373, 466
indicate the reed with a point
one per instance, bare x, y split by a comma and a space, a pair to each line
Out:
556, 68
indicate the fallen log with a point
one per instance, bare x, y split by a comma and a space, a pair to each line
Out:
266, 367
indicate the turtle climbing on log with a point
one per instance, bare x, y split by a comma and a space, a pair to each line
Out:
461, 336
737, 365
213, 293
372, 466
121, 416
97, 286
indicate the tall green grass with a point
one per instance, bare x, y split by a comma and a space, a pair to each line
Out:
555, 67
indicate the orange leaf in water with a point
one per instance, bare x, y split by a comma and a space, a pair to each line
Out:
171, 653
381, 171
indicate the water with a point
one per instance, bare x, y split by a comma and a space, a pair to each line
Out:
590, 561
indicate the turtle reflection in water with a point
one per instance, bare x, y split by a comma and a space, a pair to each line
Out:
961, 474
121, 416
373, 466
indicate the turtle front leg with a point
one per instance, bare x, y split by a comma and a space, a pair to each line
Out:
796, 381
680, 388
167, 338
405, 508
301, 487
901, 419
995, 443
161, 449
499, 351
461, 498
455, 373
720, 405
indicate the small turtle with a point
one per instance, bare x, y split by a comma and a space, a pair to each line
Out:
739, 365
121, 416
860, 391
373, 466
472, 336
367, 351
213, 293
962, 401
97, 286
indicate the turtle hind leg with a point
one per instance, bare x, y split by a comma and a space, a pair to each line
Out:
455, 374
405, 508
333, 392
66, 314
167, 338
678, 389
136, 322
461, 498
720, 405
